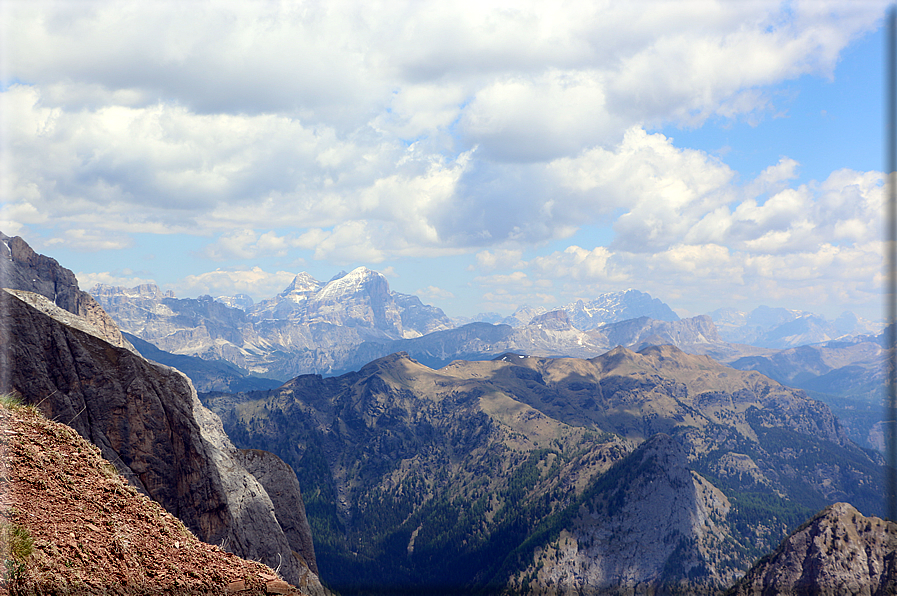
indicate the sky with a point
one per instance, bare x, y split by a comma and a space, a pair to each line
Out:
482, 155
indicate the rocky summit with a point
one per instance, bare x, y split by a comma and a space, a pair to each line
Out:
839, 551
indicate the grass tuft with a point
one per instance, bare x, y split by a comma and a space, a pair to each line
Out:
10, 400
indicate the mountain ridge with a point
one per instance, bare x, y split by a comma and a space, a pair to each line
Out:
436, 470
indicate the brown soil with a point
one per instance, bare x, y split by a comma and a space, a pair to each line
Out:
93, 533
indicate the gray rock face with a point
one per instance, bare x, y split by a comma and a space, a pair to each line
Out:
838, 552
654, 524
282, 486
614, 307
146, 419
23, 269
555, 320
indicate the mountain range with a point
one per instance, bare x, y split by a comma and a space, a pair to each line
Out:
338, 326
627, 470
234, 344
643, 470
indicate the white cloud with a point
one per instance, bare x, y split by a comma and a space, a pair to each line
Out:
125, 279
434, 293
502, 258
254, 282
247, 244
90, 240
362, 134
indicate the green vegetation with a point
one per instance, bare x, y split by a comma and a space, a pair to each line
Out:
8, 400
17, 547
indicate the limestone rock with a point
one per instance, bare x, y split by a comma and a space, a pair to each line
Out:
650, 523
281, 484
23, 269
839, 551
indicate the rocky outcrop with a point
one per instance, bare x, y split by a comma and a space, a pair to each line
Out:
23, 269
71, 525
839, 551
648, 524
146, 420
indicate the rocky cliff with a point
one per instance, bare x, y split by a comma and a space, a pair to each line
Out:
144, 417
650, 524
23, 269
147, 420
839, 551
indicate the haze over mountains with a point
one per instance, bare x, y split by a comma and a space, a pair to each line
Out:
313, 326
338, 326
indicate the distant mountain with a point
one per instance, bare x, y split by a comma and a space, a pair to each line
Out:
354, 318
548, 334
207, 375
310, 326
614, 307
652, 470
782, 328
610, 307
846, 375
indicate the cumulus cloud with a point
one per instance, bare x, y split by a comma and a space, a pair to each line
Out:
247, 244
90, 240
502, 258
416, 129
196, 118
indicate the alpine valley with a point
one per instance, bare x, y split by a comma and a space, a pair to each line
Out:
603, 447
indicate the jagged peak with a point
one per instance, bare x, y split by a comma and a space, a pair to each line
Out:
302, 283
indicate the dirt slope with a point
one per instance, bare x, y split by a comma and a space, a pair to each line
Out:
94, 534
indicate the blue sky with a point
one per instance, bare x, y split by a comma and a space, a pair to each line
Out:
482, 155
